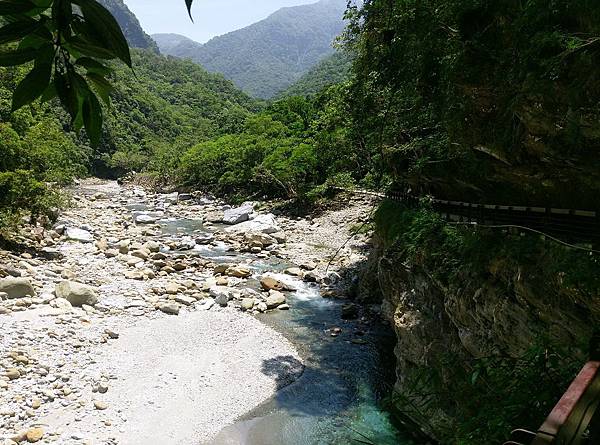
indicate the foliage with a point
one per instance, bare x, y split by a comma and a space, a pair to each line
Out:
267, 57
66, 40
286, 151
21, 193
331, 70
480, 99
492, 395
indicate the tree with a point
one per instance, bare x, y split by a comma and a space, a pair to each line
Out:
66, 43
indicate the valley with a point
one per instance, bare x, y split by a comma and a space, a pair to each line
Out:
349, 222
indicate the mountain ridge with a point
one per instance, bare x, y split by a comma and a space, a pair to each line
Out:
268, 56
132, 29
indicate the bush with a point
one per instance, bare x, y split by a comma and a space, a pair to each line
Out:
21, 194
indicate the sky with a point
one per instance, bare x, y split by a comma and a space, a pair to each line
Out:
211, 17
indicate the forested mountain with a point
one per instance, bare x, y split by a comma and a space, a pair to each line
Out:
156, 113
267, 57
130, 25
329, 71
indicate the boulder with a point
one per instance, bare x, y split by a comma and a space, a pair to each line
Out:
169, 308
262, 239
222, 300
261, 224
238, 272
247, 304
80, 235
294, 271
238, 214
144, 218
172, 288
205, 238
275, 299
76, 293
16, 287
270, 283
221, 294
152, 246
311, 277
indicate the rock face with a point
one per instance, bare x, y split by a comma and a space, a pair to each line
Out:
238, 214
76, 293
16, 287
500, 314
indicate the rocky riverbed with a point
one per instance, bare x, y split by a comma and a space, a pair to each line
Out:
130, 322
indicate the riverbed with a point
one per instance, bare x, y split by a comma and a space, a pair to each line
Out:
179, 367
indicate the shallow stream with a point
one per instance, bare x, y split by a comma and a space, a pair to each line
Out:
338, 399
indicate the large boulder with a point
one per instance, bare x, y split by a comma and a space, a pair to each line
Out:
275, 299
270, 283
262, 238
76, 293
80, 235
16, 287
238, 214
261, 224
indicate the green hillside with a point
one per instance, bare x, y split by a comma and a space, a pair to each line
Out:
267, 57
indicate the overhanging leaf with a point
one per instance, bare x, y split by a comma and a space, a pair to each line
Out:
17, 57
93, 66
32, 86
9, 7
17, 30
188, 3
102, 86
92, 119
102, 21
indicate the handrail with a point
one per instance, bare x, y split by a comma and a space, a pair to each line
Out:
570, 418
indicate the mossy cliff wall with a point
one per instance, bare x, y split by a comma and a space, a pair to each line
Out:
491, 326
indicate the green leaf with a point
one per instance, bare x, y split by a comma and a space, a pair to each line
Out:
188, 3
32, 86
66, 94
102, 86
88, 49
17, 57
17, 30
81, 92
105, 25
9, 7
49, 94
474, 377
62, 13
92, 119
93, 66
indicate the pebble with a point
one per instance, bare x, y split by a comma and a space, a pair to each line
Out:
34, 435
100, 406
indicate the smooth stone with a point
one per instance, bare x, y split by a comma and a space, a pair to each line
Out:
99, 405
275, 299
76, 293
247, 303
34, 435
269, 283
17, 287
238, 214
80, 235
169, 308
